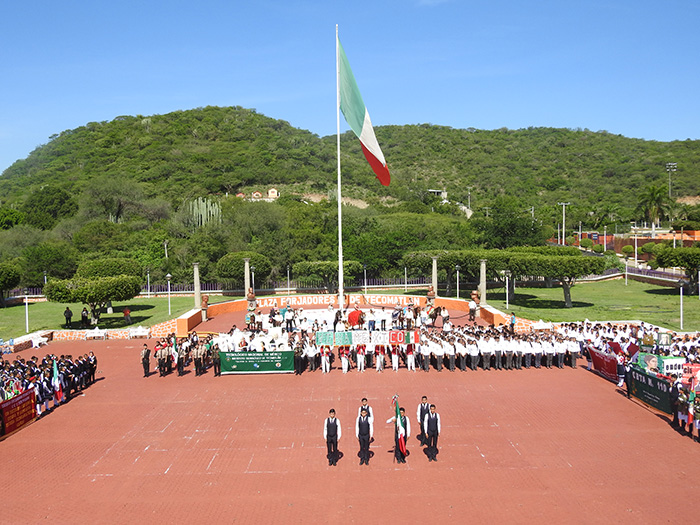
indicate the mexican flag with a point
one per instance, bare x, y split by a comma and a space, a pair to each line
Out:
56, 382
357, 117
400, 430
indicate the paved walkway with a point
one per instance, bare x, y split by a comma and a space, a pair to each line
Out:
529, 446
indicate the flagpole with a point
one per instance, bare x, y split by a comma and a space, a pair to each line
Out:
341, 301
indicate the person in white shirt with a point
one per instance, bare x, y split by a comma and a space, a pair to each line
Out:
406, 425
425, 355
364, 431
395, 358
361, 350
332, 432
411, 350
431, 427
486, 351
472, 310
379, 352
365, 406
449, 350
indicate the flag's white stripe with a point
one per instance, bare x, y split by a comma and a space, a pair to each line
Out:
369, 139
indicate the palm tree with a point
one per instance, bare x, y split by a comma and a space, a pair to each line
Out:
653, 202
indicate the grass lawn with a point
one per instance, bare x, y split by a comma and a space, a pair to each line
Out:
49, 316
605, 301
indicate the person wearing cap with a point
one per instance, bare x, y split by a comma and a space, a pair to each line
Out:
332, 432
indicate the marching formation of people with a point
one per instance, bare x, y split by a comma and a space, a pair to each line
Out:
428, 424
178, 353
54, 379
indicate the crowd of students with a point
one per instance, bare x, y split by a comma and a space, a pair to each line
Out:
173, 353
54, 379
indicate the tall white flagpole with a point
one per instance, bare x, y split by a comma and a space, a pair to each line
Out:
341, 301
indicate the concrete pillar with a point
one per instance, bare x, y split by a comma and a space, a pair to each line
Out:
197, 287
482, 281
435, 279
246, 273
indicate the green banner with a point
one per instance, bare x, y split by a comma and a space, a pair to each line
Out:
652, 390
257, 362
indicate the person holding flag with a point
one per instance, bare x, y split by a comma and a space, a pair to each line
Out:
402, 430
57, 385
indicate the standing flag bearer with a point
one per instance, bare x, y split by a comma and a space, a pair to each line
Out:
402, 430
57, 386
349, 101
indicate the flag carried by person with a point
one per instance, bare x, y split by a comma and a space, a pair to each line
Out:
400, 429
357, 116
57, 387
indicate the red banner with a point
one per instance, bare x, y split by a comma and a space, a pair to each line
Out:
18, 411
604, 364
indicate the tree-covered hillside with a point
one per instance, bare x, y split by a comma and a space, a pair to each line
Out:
161, 189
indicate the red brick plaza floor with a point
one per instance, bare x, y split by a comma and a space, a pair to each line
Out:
529, 446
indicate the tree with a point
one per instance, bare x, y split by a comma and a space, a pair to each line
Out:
10, 217
586, 243
96, 293
231, 266
509, 224
9, 278
653, 202
327, 271
567, 270
686, 258
109, 267
57, 259
46, 205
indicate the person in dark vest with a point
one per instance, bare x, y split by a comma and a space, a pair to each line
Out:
364, 430
365, 406
406, 425
331, 433
431, 426
423, 410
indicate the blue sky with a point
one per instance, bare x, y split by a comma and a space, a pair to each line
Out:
626, 66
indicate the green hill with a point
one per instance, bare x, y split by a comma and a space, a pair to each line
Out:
131, 185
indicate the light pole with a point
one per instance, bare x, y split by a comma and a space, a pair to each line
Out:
364, 267
605, 238
252, 273
148, 283
289, 287
168, 277
44, 276
635, 251
681, 288
563, 220
670, 167
405, 279
26, 310
458, 268
469, 197
507, 283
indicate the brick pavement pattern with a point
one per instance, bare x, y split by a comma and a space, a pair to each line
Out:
529, 446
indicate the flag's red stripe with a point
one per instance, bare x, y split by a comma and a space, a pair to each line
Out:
380, 170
